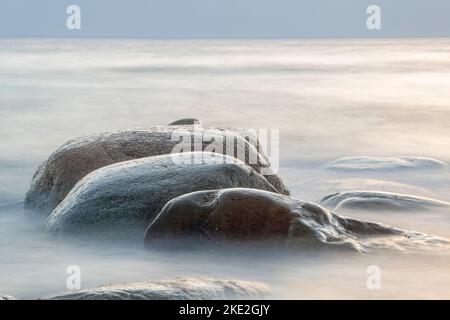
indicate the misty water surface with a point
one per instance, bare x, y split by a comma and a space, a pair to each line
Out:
329, 99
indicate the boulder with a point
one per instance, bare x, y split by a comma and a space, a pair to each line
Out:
377, 200
240, 214
6, 297
364, 163
176, 289
78, 157
123, 198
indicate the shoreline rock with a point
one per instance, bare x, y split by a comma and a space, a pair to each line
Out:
378, 200
240, 214
78, 157
123, 198
321, 186
365, 163
175, 289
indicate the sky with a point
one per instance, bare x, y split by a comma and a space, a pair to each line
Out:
225, 18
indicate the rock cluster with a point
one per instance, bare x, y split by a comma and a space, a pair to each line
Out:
141, 184
77, 158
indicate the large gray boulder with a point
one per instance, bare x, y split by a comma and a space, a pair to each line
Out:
78, 157
378, 200
175, 289
240, 215
123, 198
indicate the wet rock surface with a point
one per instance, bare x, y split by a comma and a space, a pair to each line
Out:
246, 214
175, 289
122, 199
377, 200
365, 163
75, 159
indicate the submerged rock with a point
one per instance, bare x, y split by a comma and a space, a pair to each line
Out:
78, 157
330, 186
247, 214
124, 198
176, 289
364, 163
377, 200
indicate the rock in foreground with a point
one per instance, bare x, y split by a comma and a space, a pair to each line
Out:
78, 157
245, 214
176, 289
377, 200
122, 199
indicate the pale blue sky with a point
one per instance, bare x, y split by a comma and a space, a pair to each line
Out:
225, 18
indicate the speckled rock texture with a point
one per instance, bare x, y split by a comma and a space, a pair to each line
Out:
175, 289
123, 198
78, 157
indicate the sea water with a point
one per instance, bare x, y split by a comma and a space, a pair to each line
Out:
328, 99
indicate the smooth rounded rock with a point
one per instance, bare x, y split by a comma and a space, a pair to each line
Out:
175, 289
319, 186
122, 199
240, 215
377, 200
78, 157
365, 163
